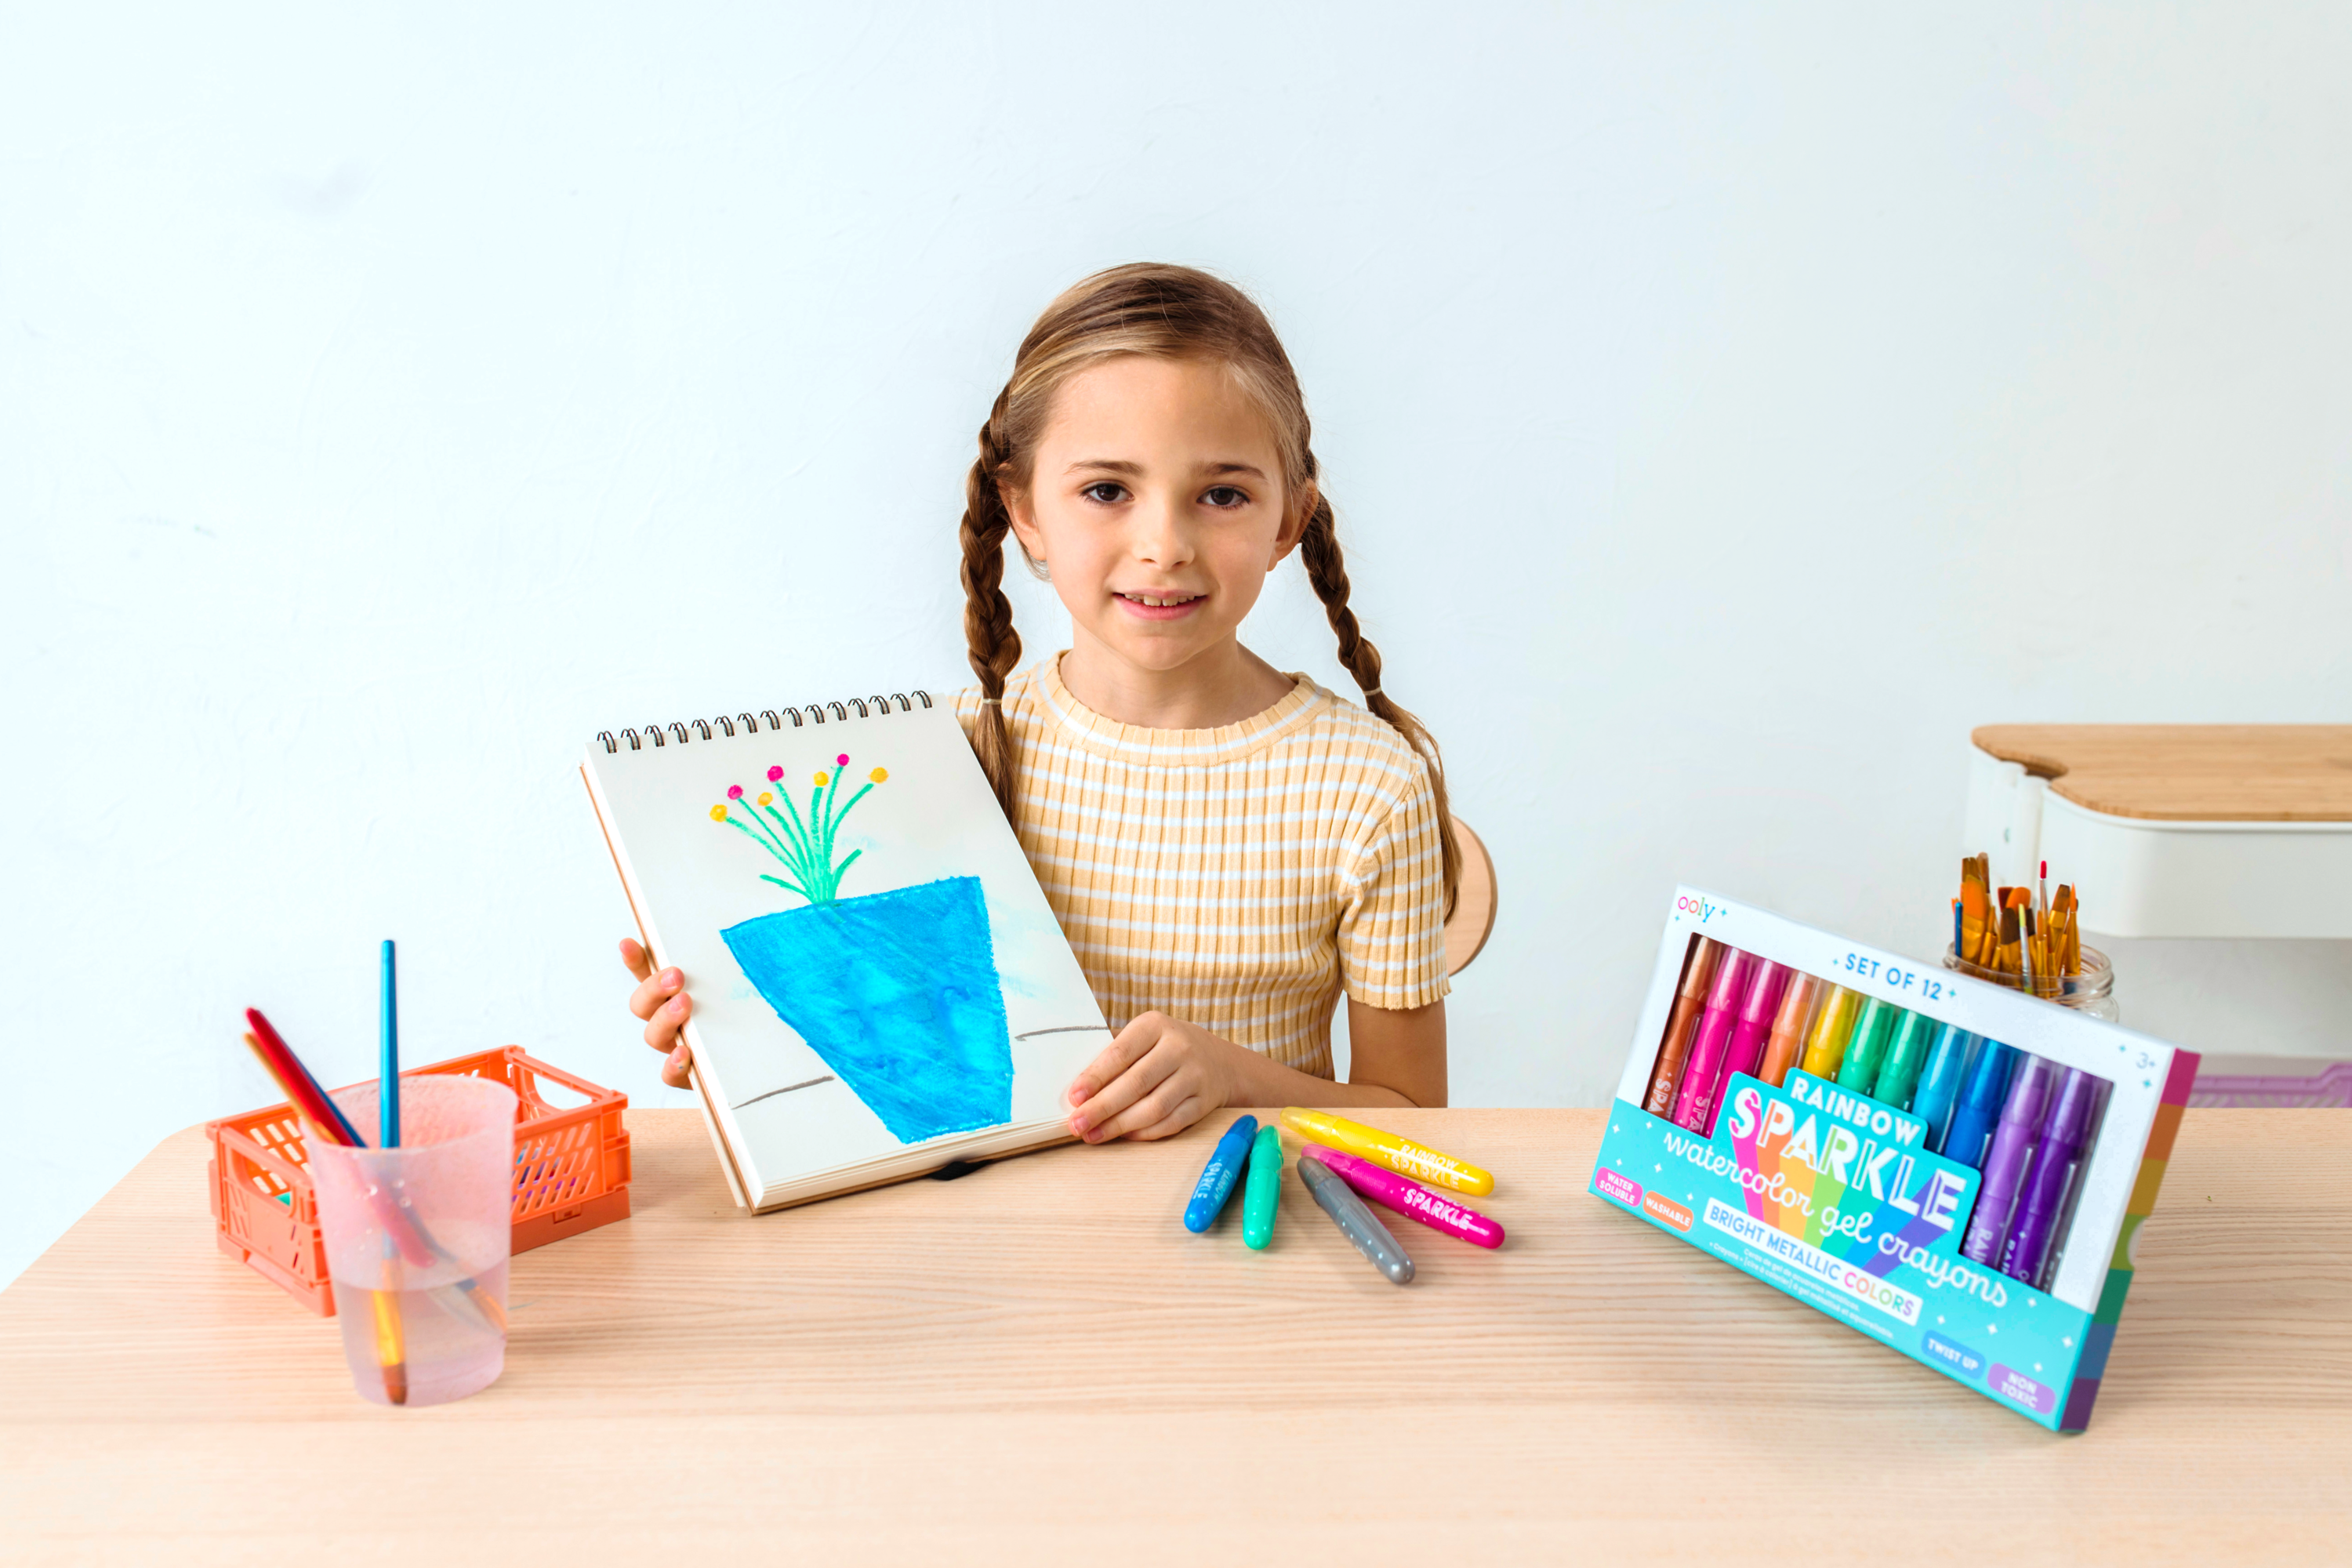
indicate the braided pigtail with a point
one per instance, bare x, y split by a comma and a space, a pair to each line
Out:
1327, 570
995, 646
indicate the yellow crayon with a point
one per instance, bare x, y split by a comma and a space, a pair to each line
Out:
1825, 1046
1398, 1155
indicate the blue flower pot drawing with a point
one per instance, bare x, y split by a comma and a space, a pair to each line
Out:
898, 993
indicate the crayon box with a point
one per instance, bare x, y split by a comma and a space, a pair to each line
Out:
1953, 1168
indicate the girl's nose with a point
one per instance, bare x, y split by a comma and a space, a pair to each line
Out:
1162, 534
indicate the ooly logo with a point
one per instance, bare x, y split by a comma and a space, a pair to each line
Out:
1685, 904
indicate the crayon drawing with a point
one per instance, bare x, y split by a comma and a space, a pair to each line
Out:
897, 991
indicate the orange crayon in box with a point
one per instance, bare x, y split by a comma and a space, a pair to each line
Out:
1788, 1038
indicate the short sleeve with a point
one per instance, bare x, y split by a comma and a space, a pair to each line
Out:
1392, 909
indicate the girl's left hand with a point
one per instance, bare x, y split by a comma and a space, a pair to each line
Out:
1158, 1077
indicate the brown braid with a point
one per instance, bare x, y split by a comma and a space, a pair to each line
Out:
1160, 312
995, 646
1318, 548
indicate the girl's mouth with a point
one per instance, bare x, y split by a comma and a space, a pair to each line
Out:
1160, 606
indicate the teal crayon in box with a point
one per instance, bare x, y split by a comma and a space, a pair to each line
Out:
1833, 1192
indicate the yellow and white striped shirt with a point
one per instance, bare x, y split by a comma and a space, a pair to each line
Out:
1235, 877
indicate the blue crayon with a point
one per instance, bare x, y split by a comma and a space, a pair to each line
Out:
1939, 1080
1980, 1106
1219, 1176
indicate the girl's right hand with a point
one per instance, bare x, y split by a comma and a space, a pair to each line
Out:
662, 1002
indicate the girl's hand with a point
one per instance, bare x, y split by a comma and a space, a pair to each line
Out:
1158, 1077
662, 1002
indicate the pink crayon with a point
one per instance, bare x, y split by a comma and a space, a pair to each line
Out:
1703, 1075
1409, 1198
1747, 1040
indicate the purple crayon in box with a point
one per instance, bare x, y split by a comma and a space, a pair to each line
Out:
2009, 1279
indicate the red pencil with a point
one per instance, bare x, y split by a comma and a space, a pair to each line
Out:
299, 1086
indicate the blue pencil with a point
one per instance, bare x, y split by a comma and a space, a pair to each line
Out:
388, 1098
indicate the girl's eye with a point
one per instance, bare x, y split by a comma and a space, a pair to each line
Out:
1105, 492
1225, 496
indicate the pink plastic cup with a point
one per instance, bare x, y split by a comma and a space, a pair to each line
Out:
417, 1238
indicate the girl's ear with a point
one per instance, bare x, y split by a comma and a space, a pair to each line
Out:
1024, 518
1294, 527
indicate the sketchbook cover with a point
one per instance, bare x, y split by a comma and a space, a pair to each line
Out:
879, 984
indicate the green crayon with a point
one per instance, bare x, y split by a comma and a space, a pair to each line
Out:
1899, 1076
1265, 1189
1867, 1048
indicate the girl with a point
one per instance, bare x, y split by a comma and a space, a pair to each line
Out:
1226, 846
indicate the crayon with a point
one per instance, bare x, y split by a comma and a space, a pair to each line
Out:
1979, 1104
1825, 1042
1263, 1193
2005, 1162
1941, 1079
1786, 1041
1704, 1066
1410, 1199
1219, 1176
1682, 1024
1398, 1155
2064, 1138
1866, 1047
1757, 1011
1355, 1221
1898, 1075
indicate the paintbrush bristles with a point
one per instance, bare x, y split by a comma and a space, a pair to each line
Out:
2025, 935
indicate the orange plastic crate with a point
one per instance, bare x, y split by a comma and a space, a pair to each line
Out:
571, 1174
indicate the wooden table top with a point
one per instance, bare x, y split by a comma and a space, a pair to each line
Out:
1036, 1363
2189, 773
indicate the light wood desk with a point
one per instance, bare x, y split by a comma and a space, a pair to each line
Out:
1036, 1364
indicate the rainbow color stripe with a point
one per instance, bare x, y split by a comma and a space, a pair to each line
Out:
2100, 1337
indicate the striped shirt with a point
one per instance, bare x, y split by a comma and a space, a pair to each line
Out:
1240, 878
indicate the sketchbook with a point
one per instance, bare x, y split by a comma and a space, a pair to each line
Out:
879, 987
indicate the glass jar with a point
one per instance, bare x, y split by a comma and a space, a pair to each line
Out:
2092, 992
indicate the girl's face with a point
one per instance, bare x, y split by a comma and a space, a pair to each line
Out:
1156, 502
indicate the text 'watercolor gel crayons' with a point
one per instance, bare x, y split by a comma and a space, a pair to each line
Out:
1866, 1049
1832, 1024
1263, 1196
1356, 1222
2005, 1162
1939, 1080
2063, 1136
1899, 1075
1409, 1198
1709, 1047
1682, 1025
1747, 1040
1219, 1176
1981, 1094
1402, 1155
1786, 1041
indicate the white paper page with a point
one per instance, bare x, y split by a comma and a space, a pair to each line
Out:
921, 833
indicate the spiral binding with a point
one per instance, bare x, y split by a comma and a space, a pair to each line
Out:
691, 730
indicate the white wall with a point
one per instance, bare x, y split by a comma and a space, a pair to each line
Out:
1727, 409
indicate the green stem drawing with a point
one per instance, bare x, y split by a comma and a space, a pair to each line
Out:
803, 846
799, 829
776, 845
